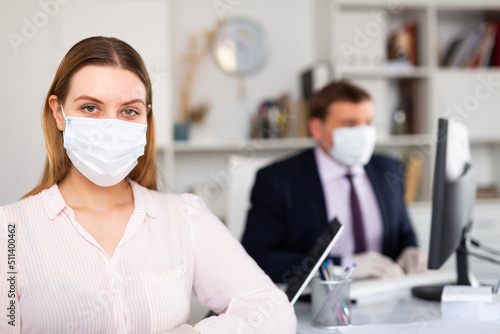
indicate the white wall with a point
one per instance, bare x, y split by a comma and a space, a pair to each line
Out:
289, 26
25, 79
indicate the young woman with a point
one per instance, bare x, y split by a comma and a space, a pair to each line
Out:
94, 248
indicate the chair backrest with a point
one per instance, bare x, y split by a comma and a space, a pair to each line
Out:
239, 189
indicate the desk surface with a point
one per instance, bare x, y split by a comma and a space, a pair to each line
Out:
394, 308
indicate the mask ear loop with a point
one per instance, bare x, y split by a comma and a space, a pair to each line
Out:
323, 141
64, 115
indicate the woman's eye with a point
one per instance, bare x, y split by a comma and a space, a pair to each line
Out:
130, 112
90, 109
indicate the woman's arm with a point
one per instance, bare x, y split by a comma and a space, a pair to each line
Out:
228, 281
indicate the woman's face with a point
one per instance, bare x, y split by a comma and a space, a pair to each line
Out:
103, 92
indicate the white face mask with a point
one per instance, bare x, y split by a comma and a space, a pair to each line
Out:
104, 150
353, 146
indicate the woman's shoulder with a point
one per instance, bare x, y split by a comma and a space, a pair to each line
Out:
29, 203
25, 212
171, 201
186, 202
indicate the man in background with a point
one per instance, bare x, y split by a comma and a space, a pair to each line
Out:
293, 200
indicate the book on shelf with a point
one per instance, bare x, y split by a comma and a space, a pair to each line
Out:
413, 178
487, 192
303, 122
481, 54
489, 43
402, 45
495, 53
315, 78
407, 117
467, 47
478, 47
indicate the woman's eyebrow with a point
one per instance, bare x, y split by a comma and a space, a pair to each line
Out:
86, 97
134, 101
90, 98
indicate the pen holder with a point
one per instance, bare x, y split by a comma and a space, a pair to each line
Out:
331, 303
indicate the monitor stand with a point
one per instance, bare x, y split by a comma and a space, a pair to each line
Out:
428, 292
464, 276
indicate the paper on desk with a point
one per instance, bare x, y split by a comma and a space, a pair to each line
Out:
455, 326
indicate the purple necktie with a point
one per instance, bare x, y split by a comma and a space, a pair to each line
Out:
357, 220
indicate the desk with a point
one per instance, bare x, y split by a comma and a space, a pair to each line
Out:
393, 308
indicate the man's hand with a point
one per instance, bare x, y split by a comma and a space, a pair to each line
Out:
184, 329
373, 264
413, 260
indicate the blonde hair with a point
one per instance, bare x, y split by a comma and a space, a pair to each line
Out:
100, 51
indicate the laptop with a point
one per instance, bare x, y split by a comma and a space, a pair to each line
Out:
303, 274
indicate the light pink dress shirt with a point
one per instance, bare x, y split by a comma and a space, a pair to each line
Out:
336, 189
65, 282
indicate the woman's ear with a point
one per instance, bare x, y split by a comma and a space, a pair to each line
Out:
57, 112
149, 108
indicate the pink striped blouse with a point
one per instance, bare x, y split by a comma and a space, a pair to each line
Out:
55, 277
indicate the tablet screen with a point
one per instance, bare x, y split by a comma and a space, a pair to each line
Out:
303, 274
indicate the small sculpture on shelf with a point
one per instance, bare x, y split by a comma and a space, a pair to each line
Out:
273, 119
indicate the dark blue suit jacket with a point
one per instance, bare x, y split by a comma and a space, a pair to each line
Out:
289, 212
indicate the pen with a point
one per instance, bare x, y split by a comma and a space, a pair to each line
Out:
321, 273
348, 273
331, 269
497, 289
326, 271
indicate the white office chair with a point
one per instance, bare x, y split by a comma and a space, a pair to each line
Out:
240, 187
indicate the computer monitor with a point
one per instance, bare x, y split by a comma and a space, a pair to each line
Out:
454, 193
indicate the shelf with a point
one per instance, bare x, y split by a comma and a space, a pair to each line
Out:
290, 144
484, 141
363, 4
234, 146
468, 5
382, 73
465, 70
426, 140
486, 202
494, 202
405, 140
421, 72
303, 143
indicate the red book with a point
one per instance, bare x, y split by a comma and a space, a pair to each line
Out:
495, 55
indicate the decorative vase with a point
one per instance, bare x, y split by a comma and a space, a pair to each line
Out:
181, 131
